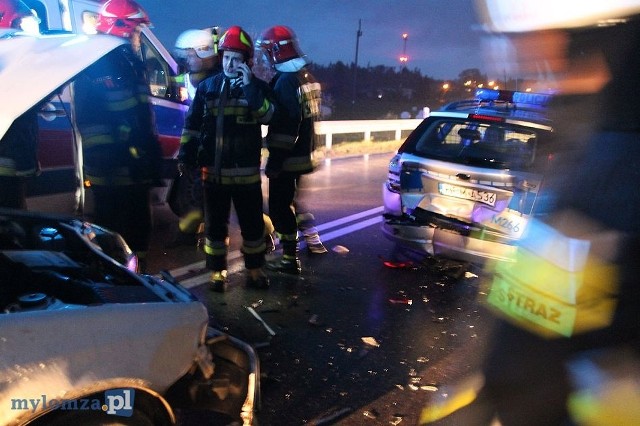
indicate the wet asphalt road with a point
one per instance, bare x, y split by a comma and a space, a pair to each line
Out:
350, 341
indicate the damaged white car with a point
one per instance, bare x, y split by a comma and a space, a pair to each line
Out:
83, 338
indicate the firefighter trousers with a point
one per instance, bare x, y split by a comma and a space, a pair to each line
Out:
247, 202
282, 195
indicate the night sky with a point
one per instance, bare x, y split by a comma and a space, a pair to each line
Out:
442, 34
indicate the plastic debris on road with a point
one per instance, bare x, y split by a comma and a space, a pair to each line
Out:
259, 318
401, 301
314, 320
395, 264
371, 341
340, 249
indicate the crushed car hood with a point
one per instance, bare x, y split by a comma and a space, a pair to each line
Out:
33, 67
55, 354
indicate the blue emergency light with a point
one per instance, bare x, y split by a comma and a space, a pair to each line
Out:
522, 99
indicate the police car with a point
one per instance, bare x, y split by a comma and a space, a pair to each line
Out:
468, 179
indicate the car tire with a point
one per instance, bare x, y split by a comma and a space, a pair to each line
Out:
97, 418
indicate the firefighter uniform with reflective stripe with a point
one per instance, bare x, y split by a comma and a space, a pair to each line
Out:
191, 221
223, 136
120, 149
291, 142
18, 159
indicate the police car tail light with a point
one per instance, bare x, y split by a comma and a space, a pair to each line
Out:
393, 177
486, 118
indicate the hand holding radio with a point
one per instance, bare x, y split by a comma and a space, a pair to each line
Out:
244, 71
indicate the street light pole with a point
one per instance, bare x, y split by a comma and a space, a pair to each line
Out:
355, 65
404, 58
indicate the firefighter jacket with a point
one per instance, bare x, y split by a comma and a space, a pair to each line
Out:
291, 139
185, 82
116, 123
19, 145
223, 133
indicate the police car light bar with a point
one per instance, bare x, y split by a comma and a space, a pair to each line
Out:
521, 99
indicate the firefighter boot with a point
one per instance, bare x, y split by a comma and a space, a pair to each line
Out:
218, 281
257, 279
188, 230
306, 225
289, 263
269, 234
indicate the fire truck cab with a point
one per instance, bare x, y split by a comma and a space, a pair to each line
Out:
59, 183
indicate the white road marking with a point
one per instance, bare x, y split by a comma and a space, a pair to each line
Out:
235, 257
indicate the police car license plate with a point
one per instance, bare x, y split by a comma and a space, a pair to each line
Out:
472, 194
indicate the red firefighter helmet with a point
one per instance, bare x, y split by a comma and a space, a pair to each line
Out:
121, 17
280, 44
15, 14
237, 39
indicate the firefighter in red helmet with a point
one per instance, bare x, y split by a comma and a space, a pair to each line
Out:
115, 120
17, 15
291, 141
222, 136
121, 18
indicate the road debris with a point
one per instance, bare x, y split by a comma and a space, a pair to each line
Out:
371, 341
401, 301
259, 318
340, 249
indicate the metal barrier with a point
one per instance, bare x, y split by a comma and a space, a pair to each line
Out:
366, 127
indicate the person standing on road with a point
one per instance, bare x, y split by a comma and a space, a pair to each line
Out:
197, 50
222, 134
291, 141
569, 354
115, 120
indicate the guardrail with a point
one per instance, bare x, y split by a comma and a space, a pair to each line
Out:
366, 127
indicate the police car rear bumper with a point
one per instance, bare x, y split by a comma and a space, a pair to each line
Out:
447, 238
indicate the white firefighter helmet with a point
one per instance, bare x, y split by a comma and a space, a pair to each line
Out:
201, 41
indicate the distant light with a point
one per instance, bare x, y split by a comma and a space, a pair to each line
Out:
405, 36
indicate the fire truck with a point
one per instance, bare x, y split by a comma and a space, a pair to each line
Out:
59, 186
